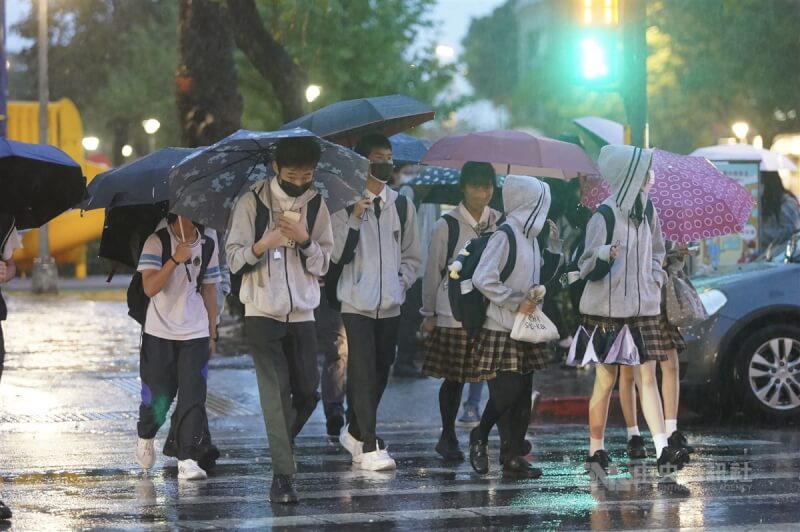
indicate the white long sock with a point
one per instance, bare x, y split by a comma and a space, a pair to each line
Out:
672, 425
596, 444
660, 441
633, 431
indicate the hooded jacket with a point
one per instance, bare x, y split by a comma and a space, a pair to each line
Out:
630, 285
435, 301
386, 261
284, 288
526, 201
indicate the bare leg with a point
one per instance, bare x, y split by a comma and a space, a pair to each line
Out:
627, 395
604, 379
645, 376
670, 384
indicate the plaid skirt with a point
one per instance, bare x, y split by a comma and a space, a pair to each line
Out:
495, 351
447, 355
672, 336
656, 341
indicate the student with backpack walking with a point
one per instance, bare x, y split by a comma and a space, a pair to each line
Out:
280, 241
377, 252
509, 267
179, 268
622, 264
447, 345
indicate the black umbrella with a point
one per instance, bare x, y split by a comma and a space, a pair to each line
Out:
346, 122
38, 182
139, 182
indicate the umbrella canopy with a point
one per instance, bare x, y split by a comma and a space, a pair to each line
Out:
347, 121
602, 130
125, 229
139, 182
512, 152
204, 186
408, 149
38, 181
770, 161
695, 201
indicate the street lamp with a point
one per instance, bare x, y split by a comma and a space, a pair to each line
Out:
740, 129
151, 127
90, 143
445, 52
313, 92
127, 150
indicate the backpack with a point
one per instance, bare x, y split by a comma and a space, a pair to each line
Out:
348, 253
467, 303
576, 287
138, 301
261, 224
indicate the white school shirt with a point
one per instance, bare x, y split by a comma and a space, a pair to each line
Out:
177, 312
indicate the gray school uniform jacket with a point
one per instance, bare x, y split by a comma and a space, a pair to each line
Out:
286, 288
526, 201
386, 261
435, 301
629, 286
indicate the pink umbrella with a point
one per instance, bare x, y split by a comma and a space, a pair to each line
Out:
694, 200
512, 152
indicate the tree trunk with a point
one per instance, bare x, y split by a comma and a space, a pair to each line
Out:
269, 57
207, 95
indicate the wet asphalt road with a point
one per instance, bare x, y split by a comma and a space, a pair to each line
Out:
68, 405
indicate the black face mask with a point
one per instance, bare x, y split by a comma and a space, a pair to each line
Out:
293, 190
381, 171
578, 216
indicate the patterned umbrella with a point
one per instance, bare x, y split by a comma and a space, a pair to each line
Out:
205, 185
439, 185
695, 201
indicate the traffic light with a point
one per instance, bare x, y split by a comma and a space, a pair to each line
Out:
596, 43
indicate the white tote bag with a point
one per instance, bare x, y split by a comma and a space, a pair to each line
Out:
534, 328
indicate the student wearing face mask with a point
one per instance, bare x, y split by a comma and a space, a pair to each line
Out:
280, 290
377, 246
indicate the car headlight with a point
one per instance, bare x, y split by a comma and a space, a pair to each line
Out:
713, 300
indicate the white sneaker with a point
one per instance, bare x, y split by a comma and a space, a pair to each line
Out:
353, 446
146, 453
189, 470
377, 461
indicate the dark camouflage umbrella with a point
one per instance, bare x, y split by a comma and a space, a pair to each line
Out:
437, 184
205, 185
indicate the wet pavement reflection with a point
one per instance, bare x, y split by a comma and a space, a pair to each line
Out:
68, 405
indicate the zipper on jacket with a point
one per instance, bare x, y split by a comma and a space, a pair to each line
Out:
380, 270
288, 288
638, 273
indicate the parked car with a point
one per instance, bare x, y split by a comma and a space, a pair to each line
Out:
747, 354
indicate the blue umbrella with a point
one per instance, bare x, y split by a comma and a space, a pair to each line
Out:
205, 185
38, 182
139, 182
408, 149
347, 121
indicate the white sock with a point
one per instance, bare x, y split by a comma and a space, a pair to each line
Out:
633, 431
596, 444
660, 441
672, 425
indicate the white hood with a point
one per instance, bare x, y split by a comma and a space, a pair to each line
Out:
625, 169
526, 200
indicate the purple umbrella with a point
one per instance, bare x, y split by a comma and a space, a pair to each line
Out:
512, 152
695, 201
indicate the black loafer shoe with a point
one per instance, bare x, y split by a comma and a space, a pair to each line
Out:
636, 448
677, 439
672, 459
449, 450
599, 457
282, 491
478, 454
519, 467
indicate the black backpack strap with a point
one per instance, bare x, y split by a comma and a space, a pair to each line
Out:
206, 252
453, 231
512, 252
401, 205
608, 216
262, 214
351, 243
166, 245
312, 210
649, 211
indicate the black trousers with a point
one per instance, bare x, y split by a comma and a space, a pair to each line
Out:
167, 368
408, 348
372, 344
285, 357
332, 341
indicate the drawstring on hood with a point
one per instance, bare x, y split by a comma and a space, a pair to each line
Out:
625, 169
527, 202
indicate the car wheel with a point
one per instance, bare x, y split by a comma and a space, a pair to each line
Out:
767, 372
